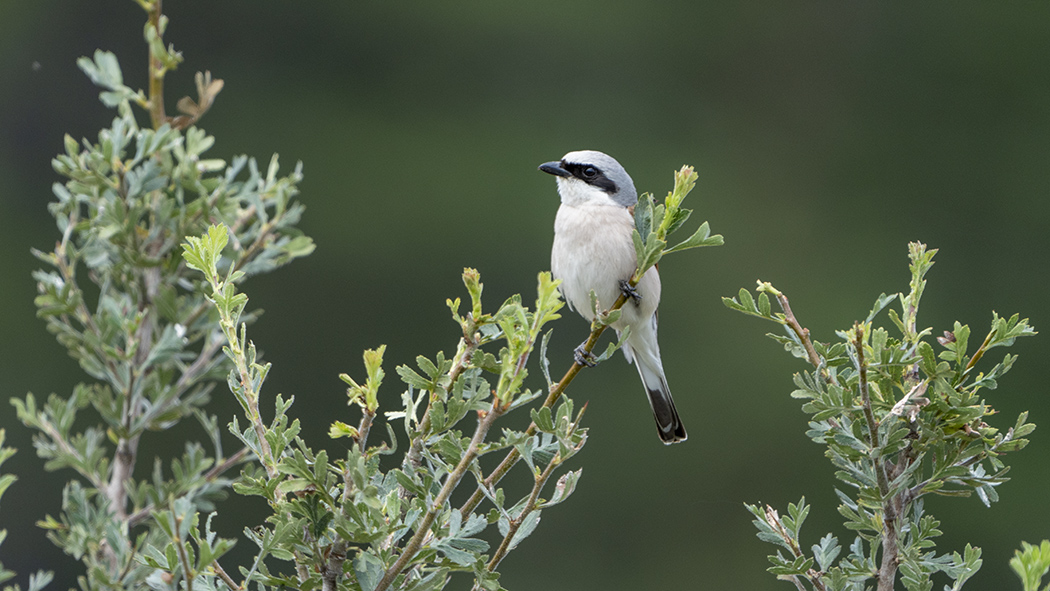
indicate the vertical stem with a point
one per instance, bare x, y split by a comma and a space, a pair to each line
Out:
333, 569
180, 546
363, 428
156, 73
123, 464
890, 505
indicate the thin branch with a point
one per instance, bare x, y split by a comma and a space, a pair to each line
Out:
187, 569
415, 447
865, 396
333, 568
979, 353
515, 523
773, 519
890, 550
52, 432
203, 362
363, 428
252, 397
555, 393
453, 479
533, 503
156, 73
225, 578
800, 332
210, 476
123, 465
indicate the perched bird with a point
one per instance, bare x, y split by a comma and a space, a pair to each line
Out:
593, 251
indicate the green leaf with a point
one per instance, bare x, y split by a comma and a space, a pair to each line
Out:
880, 303
369, 570
643, 215
564, 488
410, 377
542, 419
702, 237
104, 70
435, 581
929, 360
746, 301
826, 551
1031, 563
527, 527
340, 429
763, 305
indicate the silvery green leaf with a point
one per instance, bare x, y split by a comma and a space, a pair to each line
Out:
527, 527
564, 487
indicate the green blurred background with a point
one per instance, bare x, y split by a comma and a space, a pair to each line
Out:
827, 135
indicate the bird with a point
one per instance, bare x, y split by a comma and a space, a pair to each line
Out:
593, 251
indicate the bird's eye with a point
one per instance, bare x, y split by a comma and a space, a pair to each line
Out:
589, 172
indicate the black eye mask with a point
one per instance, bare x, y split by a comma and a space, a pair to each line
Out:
592, 175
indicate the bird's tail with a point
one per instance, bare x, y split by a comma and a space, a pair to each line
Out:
668, 424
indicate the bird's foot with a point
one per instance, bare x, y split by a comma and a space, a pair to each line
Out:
629, 291
583, 356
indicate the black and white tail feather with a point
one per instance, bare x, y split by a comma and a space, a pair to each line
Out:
668, 425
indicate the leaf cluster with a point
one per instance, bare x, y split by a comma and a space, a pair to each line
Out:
654, 223
143, 288
39, 579
1031, 563
118, 295
899, 420
397, 527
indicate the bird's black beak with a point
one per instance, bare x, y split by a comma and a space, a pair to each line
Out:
555, 169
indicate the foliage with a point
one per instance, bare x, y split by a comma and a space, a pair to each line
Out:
40, 579
328, 511
900, 421
117, 294
397, 528
1031, 563
143, 289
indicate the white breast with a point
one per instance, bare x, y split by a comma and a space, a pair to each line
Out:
593, 250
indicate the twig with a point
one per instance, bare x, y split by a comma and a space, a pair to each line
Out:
800, 332
979, 353
363, 428
514, 455
333, 569
533, 502
52, 432
515, 523
252, 398
156, 73
888, 568
865, 396
773, 519
413, 545
183, 558
123, 464
415, 447
225, 578
216, 471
